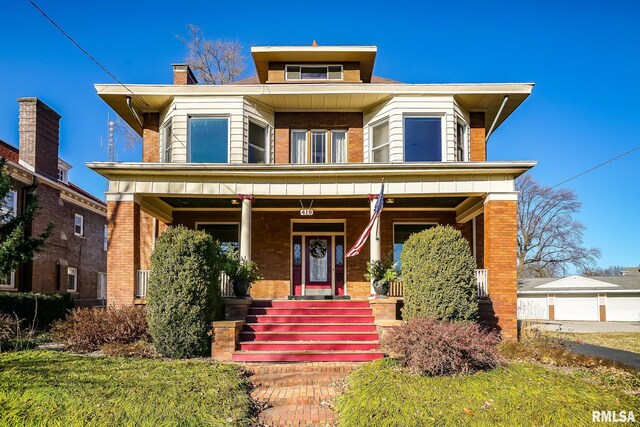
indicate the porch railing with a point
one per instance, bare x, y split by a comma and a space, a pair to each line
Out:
142, 280
396, 289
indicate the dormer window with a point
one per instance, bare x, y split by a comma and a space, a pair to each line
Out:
314, 72
62, 175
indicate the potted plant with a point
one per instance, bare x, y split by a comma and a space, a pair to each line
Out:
242, 273
381, 274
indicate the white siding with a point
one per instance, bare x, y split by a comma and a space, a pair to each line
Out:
260, 114
533, 308
462, 116
395, 110
623, 308
577, 308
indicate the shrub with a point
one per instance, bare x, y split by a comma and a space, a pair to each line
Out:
438, 274
183, 296
37, 310
87, 329
431, 347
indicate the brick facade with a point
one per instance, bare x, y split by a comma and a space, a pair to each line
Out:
39, 136
123, 258
151, 138
478, 141
352, 122
500, 234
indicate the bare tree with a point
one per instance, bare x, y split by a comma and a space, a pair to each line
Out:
550, 240
612, 270
215, 62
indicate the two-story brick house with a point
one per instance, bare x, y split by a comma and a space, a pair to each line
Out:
293, 160
74, 258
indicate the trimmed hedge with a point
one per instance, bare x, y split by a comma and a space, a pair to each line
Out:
183, 295
45, 308
438, 275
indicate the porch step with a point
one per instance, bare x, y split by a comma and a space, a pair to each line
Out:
246, 336
282, 311
307, 327
306, 356
312, 319
309, 345
311, 303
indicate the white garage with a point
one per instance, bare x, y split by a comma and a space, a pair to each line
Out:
611, 298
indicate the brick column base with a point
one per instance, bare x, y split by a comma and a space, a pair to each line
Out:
236, 308
226, 335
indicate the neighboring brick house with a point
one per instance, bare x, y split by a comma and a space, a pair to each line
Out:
74, 257
293, 159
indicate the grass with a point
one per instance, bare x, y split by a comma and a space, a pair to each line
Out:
627, 341
381, 394
48, 388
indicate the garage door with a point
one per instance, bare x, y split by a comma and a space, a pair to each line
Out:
576, 308
533, 308
623, 308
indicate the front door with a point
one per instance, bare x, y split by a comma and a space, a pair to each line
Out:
319, 271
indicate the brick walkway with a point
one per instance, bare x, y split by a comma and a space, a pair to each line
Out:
298, 394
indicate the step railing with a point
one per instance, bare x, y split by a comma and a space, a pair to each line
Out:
396, 289
142, 280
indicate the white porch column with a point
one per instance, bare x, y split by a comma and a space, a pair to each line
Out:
374, 238
245, 226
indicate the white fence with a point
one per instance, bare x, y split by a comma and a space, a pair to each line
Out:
143, 280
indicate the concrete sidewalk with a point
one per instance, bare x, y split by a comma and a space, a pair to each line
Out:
586, 327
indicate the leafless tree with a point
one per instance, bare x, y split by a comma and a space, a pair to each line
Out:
215, 62
550, 240
612, 270
125, 136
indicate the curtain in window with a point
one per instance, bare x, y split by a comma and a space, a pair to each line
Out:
339, 146
299, 147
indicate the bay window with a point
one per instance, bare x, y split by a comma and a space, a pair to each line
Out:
423, 139
209, 139
258, 143
380, 142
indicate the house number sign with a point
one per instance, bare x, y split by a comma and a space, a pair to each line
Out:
306, 212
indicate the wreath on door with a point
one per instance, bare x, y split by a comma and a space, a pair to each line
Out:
318, 248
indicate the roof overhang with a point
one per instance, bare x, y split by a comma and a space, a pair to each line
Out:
365, 55
312, 97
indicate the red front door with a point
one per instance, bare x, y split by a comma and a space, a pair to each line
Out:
319, 271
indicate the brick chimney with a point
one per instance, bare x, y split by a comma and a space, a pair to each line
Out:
39, 136
182, 75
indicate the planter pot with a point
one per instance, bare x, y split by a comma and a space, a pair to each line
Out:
240, 288
381, 287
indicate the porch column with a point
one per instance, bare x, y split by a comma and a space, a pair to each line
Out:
123, 254
500, 251
245, 226
374, 238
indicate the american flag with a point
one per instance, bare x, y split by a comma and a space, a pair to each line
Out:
377, 210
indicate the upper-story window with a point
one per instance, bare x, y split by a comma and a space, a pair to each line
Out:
209, 139
314, 72
461, 142
318, 146
167, 142
9, 206
422, 139
380, 142
62, 175
78, 225
258, 143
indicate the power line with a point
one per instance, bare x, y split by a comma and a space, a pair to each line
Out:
85, 52
598, 166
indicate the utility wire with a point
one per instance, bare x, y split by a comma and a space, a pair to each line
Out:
598, 166
86, 53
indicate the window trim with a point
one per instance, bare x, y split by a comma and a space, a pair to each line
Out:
313, 65
346, 146
443, 135
62, 175
75, 279
329, 145
227, 117
380, 122
76, 216
465, 144
163, 147
12, 281
105, 237
327, 152
267, 142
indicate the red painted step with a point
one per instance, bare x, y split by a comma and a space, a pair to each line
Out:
281, 311
297, 327
307, 336
319, 318
311, 303
310, 346
305, 356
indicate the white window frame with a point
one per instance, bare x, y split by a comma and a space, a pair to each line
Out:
267, 142
346, 145
465, 142
105, 238
306, 146
11, 283
372, 126
286, 69
62, 175
72, 272
209, 116
101, 292
327, 153
167, 149
443, 134
13, 196
75, 225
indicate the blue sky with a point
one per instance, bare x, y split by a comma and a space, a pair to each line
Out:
582, 55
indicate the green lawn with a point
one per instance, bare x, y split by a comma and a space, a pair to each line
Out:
47, 388
627, 341
379, 394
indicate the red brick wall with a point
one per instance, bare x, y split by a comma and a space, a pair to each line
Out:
478, 151
500, 260
287, 121
39, 136
123, 258
151, 138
